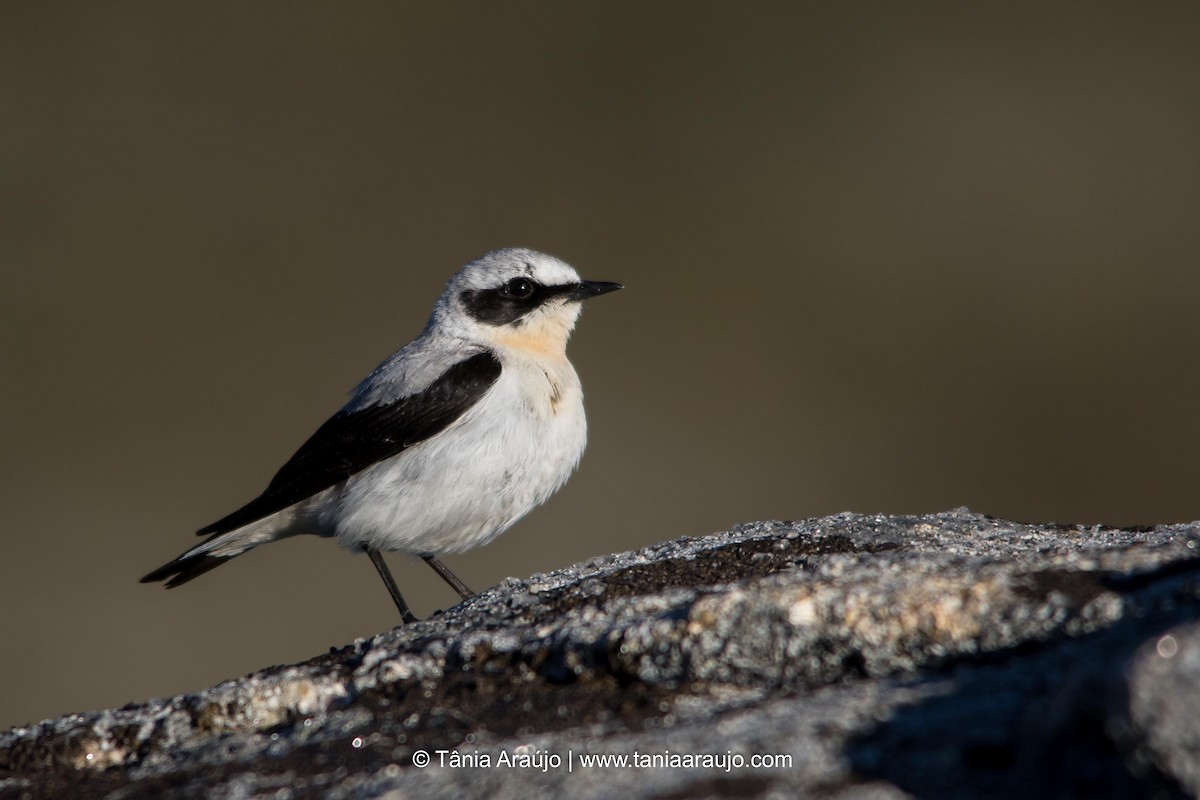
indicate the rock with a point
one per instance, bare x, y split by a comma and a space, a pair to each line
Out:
1163, 697
846, 657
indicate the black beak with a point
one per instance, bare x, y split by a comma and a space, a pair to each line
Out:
587, 289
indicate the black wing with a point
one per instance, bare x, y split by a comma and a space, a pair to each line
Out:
351, 442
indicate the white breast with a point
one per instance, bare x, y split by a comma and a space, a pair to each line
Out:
469, 483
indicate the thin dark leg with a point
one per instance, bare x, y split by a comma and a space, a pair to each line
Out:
406, 613
448, 576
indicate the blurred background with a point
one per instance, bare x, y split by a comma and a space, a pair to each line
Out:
879, 258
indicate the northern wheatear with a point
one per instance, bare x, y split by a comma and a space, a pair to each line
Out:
447, 443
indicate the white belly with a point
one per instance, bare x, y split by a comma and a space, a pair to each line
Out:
469, 483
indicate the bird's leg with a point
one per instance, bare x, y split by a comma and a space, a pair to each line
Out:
406, 613
448, 576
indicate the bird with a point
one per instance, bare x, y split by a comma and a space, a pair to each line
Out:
447, 443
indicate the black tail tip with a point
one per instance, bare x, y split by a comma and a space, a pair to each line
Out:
182, 570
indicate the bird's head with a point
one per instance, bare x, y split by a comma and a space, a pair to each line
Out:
516, 299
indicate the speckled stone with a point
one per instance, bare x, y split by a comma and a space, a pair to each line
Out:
944, 655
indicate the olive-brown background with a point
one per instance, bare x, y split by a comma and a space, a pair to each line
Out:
880, 257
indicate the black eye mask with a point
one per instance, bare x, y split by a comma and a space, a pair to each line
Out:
514, 299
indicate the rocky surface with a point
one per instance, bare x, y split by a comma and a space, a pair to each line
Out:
951, 655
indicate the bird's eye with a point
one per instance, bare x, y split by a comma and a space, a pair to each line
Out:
520, 288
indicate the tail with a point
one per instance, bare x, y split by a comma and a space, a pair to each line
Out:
216, 550
184, 568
